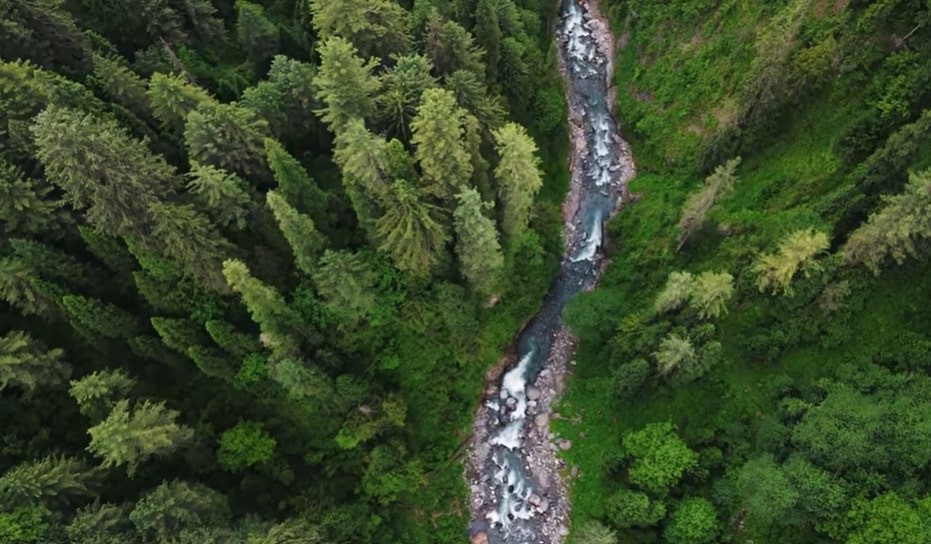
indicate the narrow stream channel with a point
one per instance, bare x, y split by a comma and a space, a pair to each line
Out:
515, 497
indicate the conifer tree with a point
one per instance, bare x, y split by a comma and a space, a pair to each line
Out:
53, 480
111, 251
223, 195
187, 236
472, 95
346, 281
678, 290
410, 230
294, 183
720, 182
44, 32
488, 34
796, 251
213, 362
120, 84
256, 34
101, 169
306, 241
97, 392
363, 158
711, 293
94, 318
895, 229
131, 437
245, 445
234, 342
26, 364
438, 132
227, 136
286, 99
477, 242
25, 204
99, 524
172, 99
519, 177
673, 353
403, 86
20, 288
345, 84
178, 334
268, 309
166, 511
374, 27
451, 47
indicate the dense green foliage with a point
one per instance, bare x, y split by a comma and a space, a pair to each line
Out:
755, 363
255, 259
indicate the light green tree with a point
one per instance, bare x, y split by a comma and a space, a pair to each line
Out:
130, 437
227, 136
720, 182
712, 292
346, 281
277, 321
172, 98
593, 532
658, 457
26, 364
26, 207
477, 242
120, 83
345, 84
438, 134
674, 352
97, 392
678, 290
628, 508
410, 230
306, 241
518, 175
53, 480
363, 159
375, 27
403, 86
796, 252
177, 505
220, 193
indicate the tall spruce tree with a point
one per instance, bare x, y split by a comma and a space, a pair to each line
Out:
278, 322
306, 241
519, 177
477, 243
410, 229
374, 27
26, 364
227, 136
439, 130
345, 84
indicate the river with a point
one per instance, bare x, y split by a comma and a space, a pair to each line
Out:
516, 493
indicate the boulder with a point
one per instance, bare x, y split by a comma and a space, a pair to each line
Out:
533, 393
564, 444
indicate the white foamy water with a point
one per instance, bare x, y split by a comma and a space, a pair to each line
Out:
592, 243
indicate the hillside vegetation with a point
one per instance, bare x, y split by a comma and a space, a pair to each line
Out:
755, 364
255, 258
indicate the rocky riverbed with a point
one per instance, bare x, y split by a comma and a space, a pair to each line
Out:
513, 470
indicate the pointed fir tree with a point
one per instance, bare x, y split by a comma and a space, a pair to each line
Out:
120, 84
172, 99
25, 204
375, 27
403, 86
439, 128
345, 84
363, 159
286, 99
410, 229
26, 364
277, 321
53, 480
94, 318
257, 35
346, 281
519, 177
796, 252
306, 241
712, 292
97, 392
227, 136
678, 289
451, 47
477, 243
214, 362
231, 340
719, 183
128, 438
221, 194
173, 507
294, 183
21, 288
488, 35
178, 334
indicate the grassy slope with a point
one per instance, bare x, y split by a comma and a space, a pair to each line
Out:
675, 87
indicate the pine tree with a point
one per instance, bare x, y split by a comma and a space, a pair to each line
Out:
268, 309
25, 205
403, 86
99, 524
477, 243
97, 392
720, 182
26, 364
227, 136
172, 99
375, 27
438, 134
488, 34
257, 35
678, 290
221, 194
894, 229
286, 99
345, 84
410, 230
172, 507
178, 334
519, 177
346, 281
52, 480
94, 318
120, 84
363, 158
49, 263
234, 342
796, 251
213, 362
44, 32
185, 235
451, 47
111, 251
306, 241
711, 294
101, 169
294, 183
20, 288
129, 438
674, 353
472, 95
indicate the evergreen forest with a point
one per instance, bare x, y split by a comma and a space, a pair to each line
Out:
256, 256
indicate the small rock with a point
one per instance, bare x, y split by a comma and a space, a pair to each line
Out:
534, 500
503, 394
574, 471
511, 403
543, 507
531, 404
564, 444
541, 420
480, 537
533, 393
